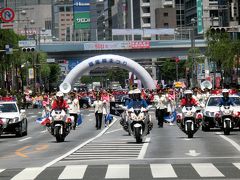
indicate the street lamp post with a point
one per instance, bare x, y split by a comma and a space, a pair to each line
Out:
26, 27
194, 78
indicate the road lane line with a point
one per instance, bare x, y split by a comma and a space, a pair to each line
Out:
207, 170
79, 146
73, 172
237, 165
162, 171
25, 139
113, 131
119, 171
144, 148
34, 116
1, 170
28, 173
234, 144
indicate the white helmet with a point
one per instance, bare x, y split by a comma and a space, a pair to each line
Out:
136, 91
130, 92
188, 92
225, 91
59, 94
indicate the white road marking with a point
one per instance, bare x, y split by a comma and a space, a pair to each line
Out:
1, 170
144, 148
90, 119
207, 170
39, 112
87, 115
28, 173
186, 139
113, 131
44, 131
25, 139
162, 171
120, 171
192, 153
234, 144
237, 165
79, 146
73, 172
34, 116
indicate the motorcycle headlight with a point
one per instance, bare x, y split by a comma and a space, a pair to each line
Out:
13, 120
140, 117
134, 117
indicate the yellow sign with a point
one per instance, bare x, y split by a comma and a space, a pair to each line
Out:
178, 84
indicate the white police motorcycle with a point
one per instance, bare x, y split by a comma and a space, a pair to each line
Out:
138, 122
60, 124
189, 120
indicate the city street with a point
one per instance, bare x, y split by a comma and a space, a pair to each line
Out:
111, 153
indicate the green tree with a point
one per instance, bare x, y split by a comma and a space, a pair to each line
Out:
117, 74
221, 50
168, 69
54, 76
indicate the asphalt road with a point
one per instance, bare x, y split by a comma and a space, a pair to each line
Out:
110, 153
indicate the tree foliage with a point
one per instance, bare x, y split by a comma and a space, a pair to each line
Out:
219, 50
16, 64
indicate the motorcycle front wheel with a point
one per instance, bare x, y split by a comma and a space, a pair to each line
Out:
189, 130
138, 135
226, 130
59, 137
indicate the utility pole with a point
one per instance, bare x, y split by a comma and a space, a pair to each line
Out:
194, 78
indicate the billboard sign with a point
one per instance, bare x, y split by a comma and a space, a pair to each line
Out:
81, 5
82, 20
81, 14
199, 16
27, 43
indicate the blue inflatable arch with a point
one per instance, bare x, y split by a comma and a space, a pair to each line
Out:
107, 60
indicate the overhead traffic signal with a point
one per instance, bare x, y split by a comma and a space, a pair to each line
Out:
224, 29
28, 49
218, 30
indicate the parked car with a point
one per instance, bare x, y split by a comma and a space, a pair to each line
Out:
12, 120
85, 101
212, 107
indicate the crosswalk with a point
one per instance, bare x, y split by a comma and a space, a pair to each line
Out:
101, 149
127, 171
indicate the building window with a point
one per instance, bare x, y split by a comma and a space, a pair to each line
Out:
166, 25
68, 9
61, 9
165, 14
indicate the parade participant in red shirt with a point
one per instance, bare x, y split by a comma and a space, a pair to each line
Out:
59, 102
188, 100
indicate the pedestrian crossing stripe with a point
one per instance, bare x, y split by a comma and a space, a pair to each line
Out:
124, 171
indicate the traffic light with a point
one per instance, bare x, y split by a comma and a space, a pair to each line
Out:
218, 30
28, 49
234, 9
